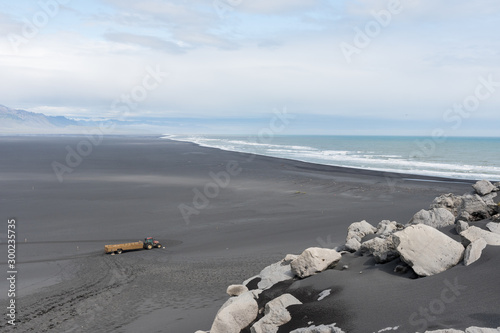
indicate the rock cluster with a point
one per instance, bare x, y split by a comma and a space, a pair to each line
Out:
381, 246
319, 329
472, 329
355, 234
420, 246
470, 207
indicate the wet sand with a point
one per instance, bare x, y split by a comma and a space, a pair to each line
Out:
128, 188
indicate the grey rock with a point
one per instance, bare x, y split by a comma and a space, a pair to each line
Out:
236, 314
488, 199
483, 187
427, 250
313, 260
272, 274
352, 245
473, 251
464, 216
495, 218
289, 258
449, 201
473, 208
382, 249
386, 228
435, 217
275, 314
474, 329
358, 230
494, 208
473, 233
236, 289
493, 227
319, 329
461, 226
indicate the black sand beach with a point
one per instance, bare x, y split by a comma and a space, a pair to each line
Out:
233, 226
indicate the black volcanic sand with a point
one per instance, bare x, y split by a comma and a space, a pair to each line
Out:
129, 188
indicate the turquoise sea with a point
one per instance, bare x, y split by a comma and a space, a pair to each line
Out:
454, 157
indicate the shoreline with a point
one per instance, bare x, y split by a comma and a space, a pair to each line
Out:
423, 174
404, 176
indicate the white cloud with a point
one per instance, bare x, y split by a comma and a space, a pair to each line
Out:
151, 42
276, 6
427, 59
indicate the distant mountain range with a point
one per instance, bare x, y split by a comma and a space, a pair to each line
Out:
14, 121
11, 118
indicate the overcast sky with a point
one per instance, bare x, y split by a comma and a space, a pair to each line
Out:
375, 63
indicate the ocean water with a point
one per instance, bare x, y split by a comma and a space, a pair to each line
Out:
457, 158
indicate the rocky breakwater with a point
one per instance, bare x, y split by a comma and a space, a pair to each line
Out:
420, 246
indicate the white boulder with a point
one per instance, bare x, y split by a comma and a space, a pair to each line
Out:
461, 226
358, 230
474, 250
382, 249
473, 208
435, 217
272, 274
488, 199
313, 260
289, 258
493, 227
427, 250
352, 245
236, 314
386, 228
236, 289
319, 329
449, 201
275, 314
473, 233
483, 187
474, 329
